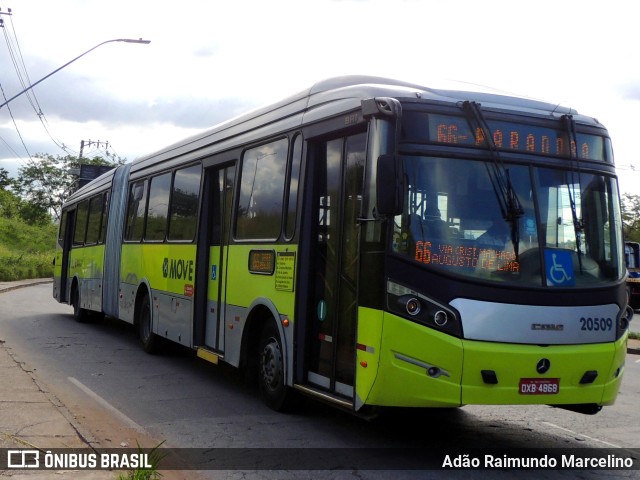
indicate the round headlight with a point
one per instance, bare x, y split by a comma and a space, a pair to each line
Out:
413, 306
441, 318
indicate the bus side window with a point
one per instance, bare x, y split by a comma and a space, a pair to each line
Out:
81, 224
262, 192
159, 192
185, 199
292, 196
105, 216
93, 224
135, 211
62, 228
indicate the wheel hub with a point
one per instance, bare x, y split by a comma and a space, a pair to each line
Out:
271, 364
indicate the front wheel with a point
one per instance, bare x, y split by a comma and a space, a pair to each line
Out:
148, 339
273, 388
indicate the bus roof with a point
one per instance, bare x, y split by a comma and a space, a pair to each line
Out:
331, 96
340, 94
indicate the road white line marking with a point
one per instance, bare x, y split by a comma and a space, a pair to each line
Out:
106, 404
581, 435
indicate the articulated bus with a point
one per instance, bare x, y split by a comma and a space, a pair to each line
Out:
371, 243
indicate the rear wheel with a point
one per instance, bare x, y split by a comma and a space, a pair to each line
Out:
148, 339
80, 314
273, 388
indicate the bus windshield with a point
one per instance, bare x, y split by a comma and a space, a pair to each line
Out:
568, 234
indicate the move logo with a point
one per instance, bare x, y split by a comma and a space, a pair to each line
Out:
178, 269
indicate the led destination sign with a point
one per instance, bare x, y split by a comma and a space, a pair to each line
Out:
458, 256
519, 137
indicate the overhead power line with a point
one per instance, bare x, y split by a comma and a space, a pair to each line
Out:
13, 46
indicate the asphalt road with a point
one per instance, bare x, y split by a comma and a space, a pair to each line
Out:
189, 403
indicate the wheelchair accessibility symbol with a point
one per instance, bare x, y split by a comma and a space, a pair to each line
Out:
559, 266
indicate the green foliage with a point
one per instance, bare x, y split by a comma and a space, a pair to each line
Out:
5, 180
26, 251
155, 456
27, 235
47, 181
12, 206
631, 217
9, 204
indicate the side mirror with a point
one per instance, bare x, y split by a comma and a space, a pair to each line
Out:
389, 185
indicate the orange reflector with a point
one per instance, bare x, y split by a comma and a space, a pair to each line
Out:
285, 322
363, 364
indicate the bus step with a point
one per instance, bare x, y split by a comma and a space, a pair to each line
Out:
208, 355
324, 396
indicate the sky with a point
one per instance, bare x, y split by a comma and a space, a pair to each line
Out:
210, 60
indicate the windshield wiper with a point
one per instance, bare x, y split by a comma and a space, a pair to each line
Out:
510, 205
569, 125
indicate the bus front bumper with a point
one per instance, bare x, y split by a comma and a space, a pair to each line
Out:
420, 367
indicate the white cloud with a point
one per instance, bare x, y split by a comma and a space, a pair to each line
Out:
211, 60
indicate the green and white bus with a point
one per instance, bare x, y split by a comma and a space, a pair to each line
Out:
371, 243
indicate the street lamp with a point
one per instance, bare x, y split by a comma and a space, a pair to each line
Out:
126, 40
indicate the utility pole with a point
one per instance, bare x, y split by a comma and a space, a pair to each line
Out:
90, 143
8, 12
87, 172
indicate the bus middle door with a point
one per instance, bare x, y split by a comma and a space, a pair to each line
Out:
220, 187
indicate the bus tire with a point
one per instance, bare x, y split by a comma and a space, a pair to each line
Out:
80, 314
148, 339
273, 389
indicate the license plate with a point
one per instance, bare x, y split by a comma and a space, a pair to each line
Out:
539, 386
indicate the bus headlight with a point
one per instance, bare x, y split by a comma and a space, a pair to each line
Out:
419, 308
413, 306
441, 318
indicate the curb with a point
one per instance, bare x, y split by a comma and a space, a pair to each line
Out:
23, 283
634, 350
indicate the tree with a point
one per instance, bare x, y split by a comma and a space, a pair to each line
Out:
9, 202
631, 217
5, 180
46, 182
12, 206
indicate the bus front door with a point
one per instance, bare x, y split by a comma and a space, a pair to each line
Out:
333, 308
219, 191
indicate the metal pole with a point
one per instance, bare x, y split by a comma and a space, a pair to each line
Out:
127, 40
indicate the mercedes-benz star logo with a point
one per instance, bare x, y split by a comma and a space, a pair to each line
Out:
543, 365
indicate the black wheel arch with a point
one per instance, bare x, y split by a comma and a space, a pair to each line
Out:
258, 316
142, 292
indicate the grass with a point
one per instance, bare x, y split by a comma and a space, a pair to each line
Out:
26, 251
155, 456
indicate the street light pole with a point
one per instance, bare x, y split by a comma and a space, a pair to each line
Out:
126, 40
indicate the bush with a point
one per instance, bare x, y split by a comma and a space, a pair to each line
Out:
26, 251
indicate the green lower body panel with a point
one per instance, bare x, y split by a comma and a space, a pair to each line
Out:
407, 354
